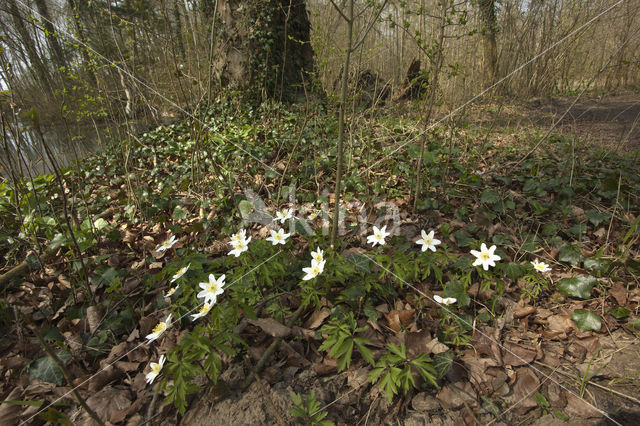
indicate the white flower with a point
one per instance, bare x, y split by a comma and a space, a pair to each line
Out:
155, 369
204, 310
159, 329
239, 247
428, 242
241, 235
167, 244
540, 266
313, 215
445, 301
211, 289
278, 237
315, 270
485, 257
180, 272
171, 291
318, 255
283, 215
378, 236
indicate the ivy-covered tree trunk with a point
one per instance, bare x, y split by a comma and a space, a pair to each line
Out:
264, 47
489, 27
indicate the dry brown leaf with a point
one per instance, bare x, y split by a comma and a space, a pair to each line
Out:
577, 407
516, 354
397, 318
619, 292
435, 347
106, 403
561, 323
317, 318
327, 366
271, 327
357, 378
10, 414
453, 395
524, 390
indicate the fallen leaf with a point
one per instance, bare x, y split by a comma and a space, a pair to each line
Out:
317, 318
577, 407
271, 327
453, 396
524, 389
515, 354
399, 318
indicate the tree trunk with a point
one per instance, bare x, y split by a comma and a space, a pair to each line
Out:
264, 47
41, 72
489, 27
52, 37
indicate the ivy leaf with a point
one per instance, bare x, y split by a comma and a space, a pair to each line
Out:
462, 239
442, 363
361, 263
179, 214
619, 312
58, 241
246, 208
596, 217
597, 266
586, 320
570, 253
47, 370
512, 270
579, 286
100, 224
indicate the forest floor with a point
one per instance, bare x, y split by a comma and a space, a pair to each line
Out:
364, 342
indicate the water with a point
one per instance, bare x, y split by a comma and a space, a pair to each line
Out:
68, 143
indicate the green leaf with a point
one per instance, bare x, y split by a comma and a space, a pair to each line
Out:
179, 214
586, 320
512, 270
456, 289
619, 312
246, 208
570, 253
595, 217
542, 401
47, 370
100, 224
442, 363
579, 286
489, 196
58, 241
462, 239
597, 266
362, 263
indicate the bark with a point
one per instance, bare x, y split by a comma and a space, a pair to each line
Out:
40, 71
489, 28
264, 47
52, 38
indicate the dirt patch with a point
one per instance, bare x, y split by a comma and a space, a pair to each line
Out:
612, 120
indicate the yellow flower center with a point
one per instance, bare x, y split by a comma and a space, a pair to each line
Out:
173, 290
155, 368
205, 308
159, 328
213, 287
484, 256
318, 257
